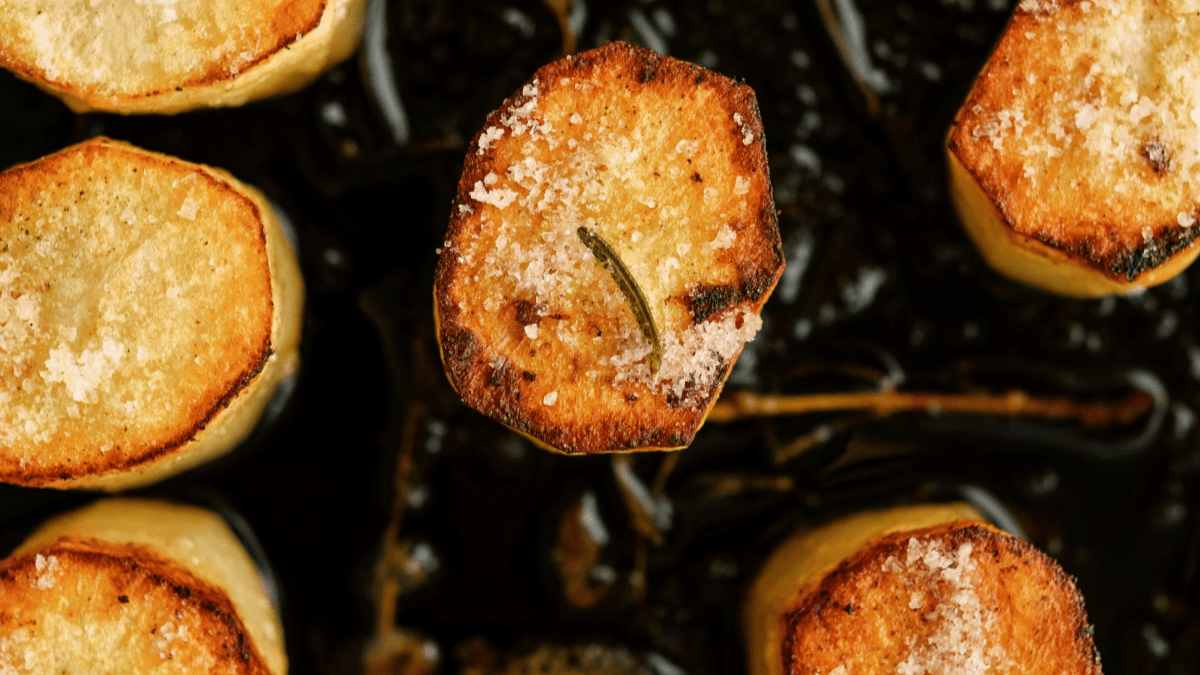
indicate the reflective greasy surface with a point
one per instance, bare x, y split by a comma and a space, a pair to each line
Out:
492, 548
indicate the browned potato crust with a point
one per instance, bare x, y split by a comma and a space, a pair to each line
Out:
928, 592
1074, 159
128, 56
151, 306
177, 595
664, 164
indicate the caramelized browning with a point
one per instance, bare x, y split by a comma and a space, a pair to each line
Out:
960, 597
136, 586
1080, 134
128, 56
665, 163
139, 314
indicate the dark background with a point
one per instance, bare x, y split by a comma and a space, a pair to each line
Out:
880, 279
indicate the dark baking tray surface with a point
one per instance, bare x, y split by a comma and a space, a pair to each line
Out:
374, 452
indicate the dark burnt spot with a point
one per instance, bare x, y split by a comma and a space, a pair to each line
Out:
529, 377
495, 379
849, 608
699, 80
123, 599
527, 312
1161, 247
696, 177
704, 300
647, 72
182, 591
1156, 153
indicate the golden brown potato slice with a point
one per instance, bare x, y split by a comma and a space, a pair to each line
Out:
917, 589
148, 309
136, 586
132, 56
1075, 162
612, 243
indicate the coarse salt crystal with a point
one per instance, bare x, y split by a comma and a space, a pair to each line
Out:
499, 198
490, 136
46, 567
189, 209
724, 239
550, 399
687, 147
531, 331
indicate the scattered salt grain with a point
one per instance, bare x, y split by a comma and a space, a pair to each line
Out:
959, 642
531, 331
550, 399
47, 568
189, 209
500, 198
724, 239
488, 137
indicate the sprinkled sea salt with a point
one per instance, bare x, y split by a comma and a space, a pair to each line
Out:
959, 643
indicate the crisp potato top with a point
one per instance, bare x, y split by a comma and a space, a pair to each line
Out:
612, 242
1084, 129
130, 48
91, 606
960, 597
136, 304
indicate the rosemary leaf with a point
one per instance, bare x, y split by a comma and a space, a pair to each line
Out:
629, 288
